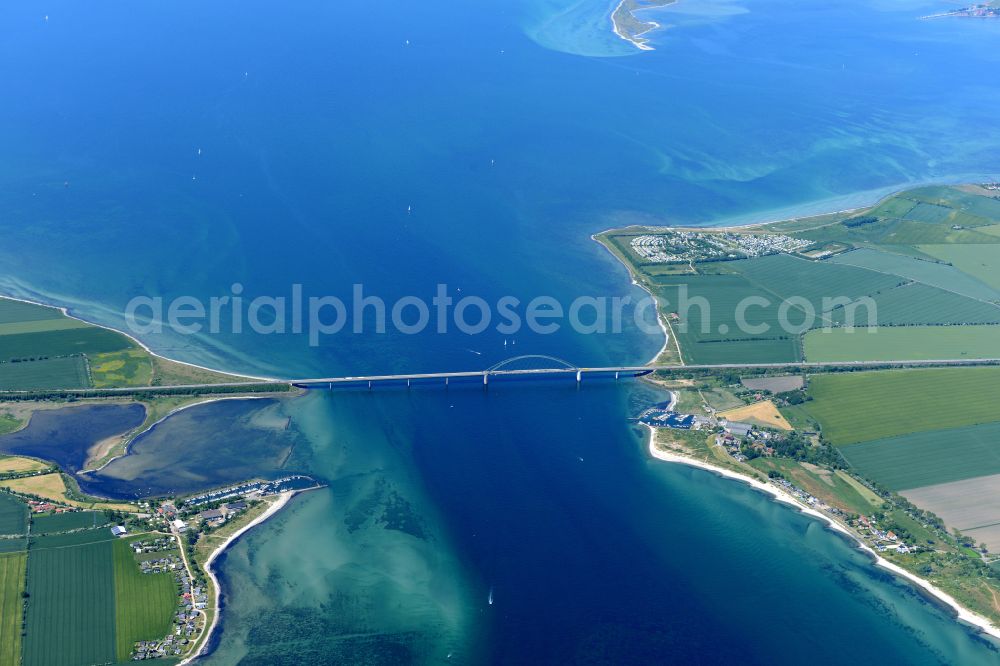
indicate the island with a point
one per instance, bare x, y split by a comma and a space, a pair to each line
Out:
884, 427
630, 28
978, 10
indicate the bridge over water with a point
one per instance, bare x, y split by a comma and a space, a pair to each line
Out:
528, 366
538, 367
550, 366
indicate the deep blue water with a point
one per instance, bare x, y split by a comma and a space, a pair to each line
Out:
319, 127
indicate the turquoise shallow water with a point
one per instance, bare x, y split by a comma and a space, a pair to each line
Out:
319, 126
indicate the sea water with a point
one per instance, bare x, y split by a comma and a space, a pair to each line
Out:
174, 149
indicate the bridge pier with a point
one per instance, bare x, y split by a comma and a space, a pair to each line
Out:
579, 376
369, 385
407, 384
445, 381
616, 375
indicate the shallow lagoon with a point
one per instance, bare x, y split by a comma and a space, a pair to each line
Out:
65, 435
198, 448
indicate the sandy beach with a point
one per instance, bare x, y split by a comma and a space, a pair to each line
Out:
275, 507
965, 615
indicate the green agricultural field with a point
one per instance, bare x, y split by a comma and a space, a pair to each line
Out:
64, 522
923, 215
916, 303
91, 340
957, 199
9, 424
13, 515
897, 343
784, 277
823, 484
979, 261
33, 331
41, 326
928, 458
71, 609
12, 569
721, 340
931, 273
863, 406
81, 538
132, 367
12, 311
52, 373
144, 603
14, 545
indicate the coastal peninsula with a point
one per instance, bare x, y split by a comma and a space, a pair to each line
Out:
630, 28
887, 456
73, 397
978, 10
162, 597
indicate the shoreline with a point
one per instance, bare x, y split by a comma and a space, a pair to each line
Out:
668, 333
636, 39
65, 311
641, 45
961, 613
276, 506
878, 195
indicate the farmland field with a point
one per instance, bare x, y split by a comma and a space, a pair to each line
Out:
40, 326
53, 487
979, 261
862, 406
51, 373
14, 545
12, 311
12, 568
930, 273
144, 603
71, 613
917, 303
13, 515
91, 340
62, 522
778, 384
67, 539
823, 484
893, 343
784, 276
125, 368
9, 423
928, 458
45, 337
972, 506
14, 464
764, 414
722, 341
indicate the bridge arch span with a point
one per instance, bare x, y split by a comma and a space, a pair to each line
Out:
506, 364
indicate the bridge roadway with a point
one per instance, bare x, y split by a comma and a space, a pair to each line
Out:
630, 370
485, 375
